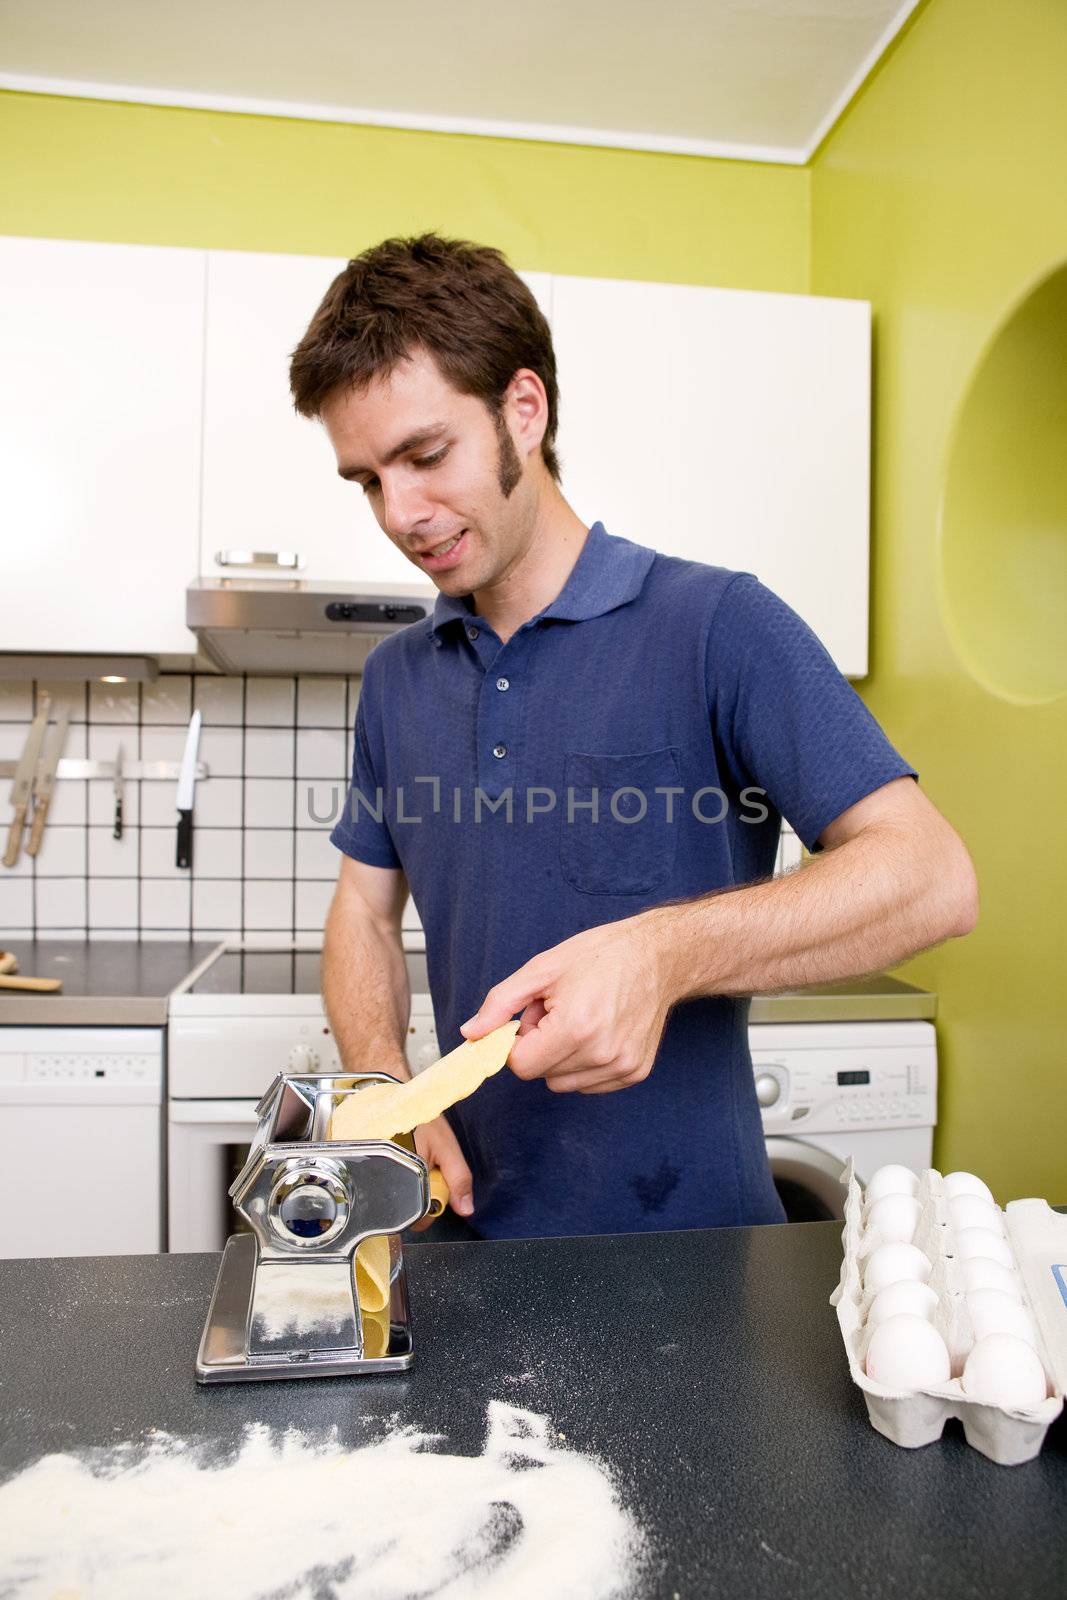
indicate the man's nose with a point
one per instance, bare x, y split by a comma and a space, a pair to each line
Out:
404, 505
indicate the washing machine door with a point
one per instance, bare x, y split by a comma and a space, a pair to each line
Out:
808, 1180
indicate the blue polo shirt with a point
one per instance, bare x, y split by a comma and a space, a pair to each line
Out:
636, 742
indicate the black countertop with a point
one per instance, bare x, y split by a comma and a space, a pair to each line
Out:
705, 1368
113, 983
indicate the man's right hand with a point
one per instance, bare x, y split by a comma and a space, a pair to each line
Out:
439, 1147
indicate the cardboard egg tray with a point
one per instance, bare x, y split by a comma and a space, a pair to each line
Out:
1038, 1239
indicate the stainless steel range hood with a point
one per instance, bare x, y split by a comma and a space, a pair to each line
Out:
293, 625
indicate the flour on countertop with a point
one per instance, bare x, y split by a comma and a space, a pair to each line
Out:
302, 1518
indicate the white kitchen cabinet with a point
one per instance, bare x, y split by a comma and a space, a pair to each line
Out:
270, 478
99, 444
727, 426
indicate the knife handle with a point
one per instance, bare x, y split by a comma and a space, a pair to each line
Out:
14, 837
40, 817
184, 857
116, 832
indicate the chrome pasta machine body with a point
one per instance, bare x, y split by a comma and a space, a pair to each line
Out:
286, 1302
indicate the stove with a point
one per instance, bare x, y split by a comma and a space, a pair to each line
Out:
244, 1014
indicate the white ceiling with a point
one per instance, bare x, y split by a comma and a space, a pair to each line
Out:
749, 79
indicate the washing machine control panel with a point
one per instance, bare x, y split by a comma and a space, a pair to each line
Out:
825, 1077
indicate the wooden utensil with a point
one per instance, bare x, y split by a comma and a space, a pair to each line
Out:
38, 985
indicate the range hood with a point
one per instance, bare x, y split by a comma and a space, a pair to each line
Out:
288, 626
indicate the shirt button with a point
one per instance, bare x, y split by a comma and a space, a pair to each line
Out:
472, 634
502, 684
500, 751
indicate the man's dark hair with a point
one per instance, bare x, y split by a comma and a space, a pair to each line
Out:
460, 302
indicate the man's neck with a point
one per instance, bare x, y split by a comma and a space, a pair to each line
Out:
537, 576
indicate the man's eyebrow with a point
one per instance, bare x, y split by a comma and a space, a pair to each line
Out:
414, 441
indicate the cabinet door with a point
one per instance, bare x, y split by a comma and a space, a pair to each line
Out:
270, 478
726, 426
99, 444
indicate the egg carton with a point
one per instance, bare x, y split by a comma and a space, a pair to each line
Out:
1038, 1238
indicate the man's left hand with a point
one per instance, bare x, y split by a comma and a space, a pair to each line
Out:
593, 1010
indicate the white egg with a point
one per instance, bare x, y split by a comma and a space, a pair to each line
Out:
981, 1273
971, 1242
971, 1211
891, 1180
1004, 1371
908, 1353
906, 1296
994, 1312
956, 1183
891, 1262
894, 1217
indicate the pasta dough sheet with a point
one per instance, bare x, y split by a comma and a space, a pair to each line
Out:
372, 1273
384, 1110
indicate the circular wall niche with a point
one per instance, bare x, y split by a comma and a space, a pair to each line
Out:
1003, 523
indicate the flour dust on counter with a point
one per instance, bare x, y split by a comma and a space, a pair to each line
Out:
301, 1517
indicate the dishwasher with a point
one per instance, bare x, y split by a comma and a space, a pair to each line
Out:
81, 1111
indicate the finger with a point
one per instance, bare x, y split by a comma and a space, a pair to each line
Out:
532, 1016
546, 1048
505, 998
439, 1147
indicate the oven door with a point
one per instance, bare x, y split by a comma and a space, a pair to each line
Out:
207, 1144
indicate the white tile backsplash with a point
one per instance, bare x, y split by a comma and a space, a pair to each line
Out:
269, 802
268, 904
165, 902
263, 866
268, 752
60, 902
220, 701
269, 702
16, 702
113, 903
268, 853
62, 852
114, 702
114, 858
320, 753
16, 903
321, 703
169, 699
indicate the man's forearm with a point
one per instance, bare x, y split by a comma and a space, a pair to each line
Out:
365, 989
852, 910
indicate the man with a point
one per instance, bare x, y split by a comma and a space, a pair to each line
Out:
579, 765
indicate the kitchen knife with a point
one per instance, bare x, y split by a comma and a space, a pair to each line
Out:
116, 832
22, 785
186, 786
46, 780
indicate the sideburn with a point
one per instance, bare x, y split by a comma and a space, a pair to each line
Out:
508, 465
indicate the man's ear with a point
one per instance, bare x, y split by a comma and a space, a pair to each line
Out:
526, 409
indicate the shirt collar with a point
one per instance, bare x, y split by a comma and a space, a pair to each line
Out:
609, 572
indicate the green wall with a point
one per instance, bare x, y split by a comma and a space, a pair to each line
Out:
941, 198
87, 169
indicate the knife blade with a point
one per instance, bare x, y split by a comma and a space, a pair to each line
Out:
46, 780
116, 832
186, 787
22, 784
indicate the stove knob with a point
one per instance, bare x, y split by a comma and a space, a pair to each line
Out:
425, 1056
301, 1059
768, 1089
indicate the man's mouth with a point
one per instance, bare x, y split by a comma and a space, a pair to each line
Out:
441, 555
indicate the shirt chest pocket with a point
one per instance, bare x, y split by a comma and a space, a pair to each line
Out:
614, 833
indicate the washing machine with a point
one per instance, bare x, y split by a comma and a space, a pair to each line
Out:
830, 1090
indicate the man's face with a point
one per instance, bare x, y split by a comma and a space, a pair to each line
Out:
442, 475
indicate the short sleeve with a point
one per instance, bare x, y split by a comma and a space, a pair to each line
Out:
785, 718
362, 831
